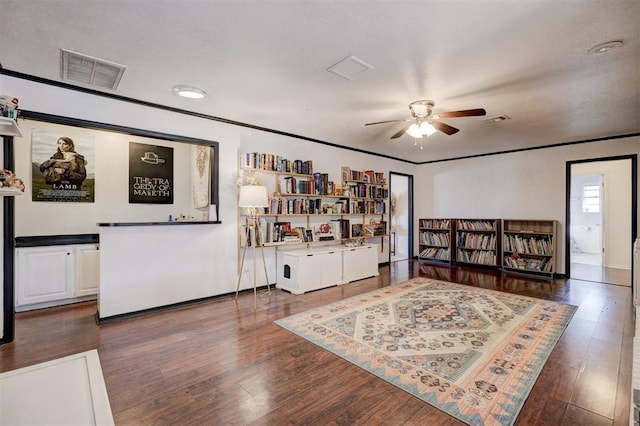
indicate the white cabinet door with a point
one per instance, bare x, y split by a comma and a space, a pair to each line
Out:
310, 272
360, 262
351, 264
44, 274
87, 259
369, 256
330, 268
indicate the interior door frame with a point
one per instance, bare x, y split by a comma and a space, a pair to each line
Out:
634, 205
410, 225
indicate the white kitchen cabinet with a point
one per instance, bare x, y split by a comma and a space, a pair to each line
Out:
87, 264
44, 274
54, 275
310, 269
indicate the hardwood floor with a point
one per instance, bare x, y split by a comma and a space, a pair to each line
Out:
601, 274
221, 362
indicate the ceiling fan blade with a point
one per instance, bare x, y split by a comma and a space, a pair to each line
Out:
400, 132
462, 113
445, 128
383, 122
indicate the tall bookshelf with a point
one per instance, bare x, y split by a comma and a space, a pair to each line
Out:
366, 193
435, 240
529, 246
477, 241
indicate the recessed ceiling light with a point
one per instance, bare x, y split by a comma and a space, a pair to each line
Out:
189, 92
605, 47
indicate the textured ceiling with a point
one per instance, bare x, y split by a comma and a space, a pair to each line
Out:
265, 63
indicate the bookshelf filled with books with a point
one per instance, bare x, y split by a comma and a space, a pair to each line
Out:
477, 241
435, 238
306, 207
367, 194
528, 246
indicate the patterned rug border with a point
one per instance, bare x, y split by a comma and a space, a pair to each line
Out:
526, 385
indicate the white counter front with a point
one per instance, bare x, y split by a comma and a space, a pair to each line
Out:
146, 266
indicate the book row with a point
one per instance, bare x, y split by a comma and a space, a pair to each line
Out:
476, 225
268, 233
286, 206
476, 241
434, 238
436, 253
365, 176
541, 265
482, 257
318, 184
276, 163
362, 190
434, 223
538, 245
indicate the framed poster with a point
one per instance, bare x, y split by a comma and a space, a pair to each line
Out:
150, 174
62, 167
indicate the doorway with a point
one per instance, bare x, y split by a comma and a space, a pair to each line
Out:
601, 219
400, 216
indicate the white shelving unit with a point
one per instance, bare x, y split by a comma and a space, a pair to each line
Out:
9, 127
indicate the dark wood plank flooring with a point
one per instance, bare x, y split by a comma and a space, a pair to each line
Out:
601, 274
222, 363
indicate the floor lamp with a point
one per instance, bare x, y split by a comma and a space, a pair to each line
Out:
253, 197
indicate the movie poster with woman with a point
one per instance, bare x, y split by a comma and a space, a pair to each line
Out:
63, 167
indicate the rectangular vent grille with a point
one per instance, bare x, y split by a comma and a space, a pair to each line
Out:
88, 70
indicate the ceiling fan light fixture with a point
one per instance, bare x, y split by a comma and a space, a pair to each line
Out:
414, 131
427, 129
189, 92
420, 130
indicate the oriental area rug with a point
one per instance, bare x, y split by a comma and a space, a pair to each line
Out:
470, 352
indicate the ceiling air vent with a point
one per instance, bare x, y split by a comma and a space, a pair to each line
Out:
88, 70
497, 118
349, 67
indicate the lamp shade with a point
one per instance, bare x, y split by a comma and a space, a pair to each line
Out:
253, 196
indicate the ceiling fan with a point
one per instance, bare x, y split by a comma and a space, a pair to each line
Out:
425, 124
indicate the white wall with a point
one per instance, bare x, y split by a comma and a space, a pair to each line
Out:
232, 141
521, 185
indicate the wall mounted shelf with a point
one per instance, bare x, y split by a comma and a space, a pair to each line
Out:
9, 127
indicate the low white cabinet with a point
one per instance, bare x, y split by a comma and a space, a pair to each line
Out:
53, 275
310, 269
359, 262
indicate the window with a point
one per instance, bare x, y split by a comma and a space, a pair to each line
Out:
591, 198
